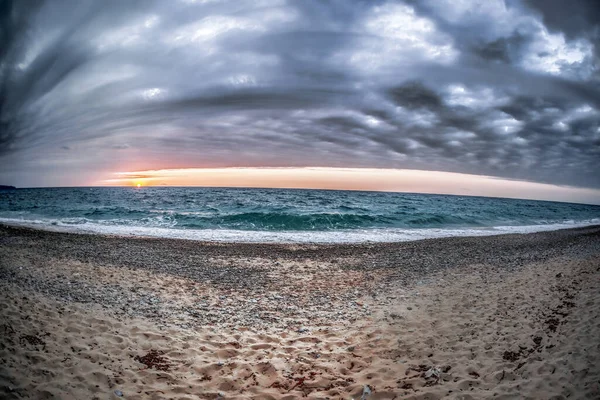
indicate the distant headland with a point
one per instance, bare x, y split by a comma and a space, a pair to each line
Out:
5, 187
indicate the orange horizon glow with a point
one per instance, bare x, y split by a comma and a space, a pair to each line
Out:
369, 179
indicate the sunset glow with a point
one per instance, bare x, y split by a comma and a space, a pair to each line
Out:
393, 180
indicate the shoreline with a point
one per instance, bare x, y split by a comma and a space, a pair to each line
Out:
7, 229
91, 316
339, 237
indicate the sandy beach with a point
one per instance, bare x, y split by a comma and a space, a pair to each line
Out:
101, 317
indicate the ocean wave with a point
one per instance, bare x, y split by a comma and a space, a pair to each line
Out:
208, 213
279, 221
335, 236
285, 221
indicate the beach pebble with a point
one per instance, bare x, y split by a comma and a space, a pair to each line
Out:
366, 392
118, 393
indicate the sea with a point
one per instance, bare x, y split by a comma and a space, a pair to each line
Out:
282, 215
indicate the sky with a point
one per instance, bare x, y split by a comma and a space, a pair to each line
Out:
94, 92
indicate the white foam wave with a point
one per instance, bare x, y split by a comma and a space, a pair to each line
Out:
340, 236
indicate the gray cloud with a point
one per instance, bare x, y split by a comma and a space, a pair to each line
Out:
578, 18
508, 89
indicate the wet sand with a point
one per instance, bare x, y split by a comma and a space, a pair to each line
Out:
513, 316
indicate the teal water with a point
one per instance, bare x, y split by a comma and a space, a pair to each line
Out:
282, 214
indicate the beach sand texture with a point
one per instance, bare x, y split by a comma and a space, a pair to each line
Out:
90, 317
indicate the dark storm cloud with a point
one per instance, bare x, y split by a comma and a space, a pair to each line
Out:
508, 89
575, 18
501, 49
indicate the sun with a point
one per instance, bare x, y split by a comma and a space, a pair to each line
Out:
139, 185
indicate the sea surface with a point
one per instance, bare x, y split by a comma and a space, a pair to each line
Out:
282, 215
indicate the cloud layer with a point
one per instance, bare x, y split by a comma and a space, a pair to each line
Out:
500, 88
